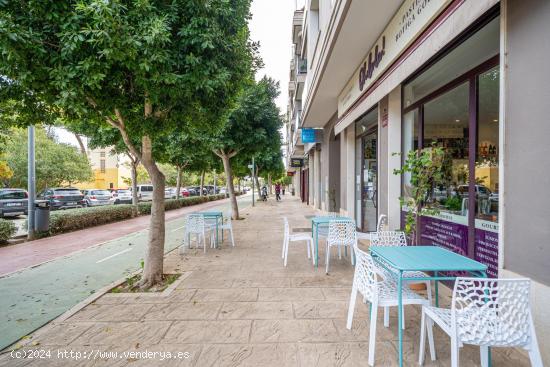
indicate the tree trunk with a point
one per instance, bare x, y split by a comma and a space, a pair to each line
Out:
80, 143
269, 183
178, 182
229, 180
133, 173
258, 183
154, 258
202, 183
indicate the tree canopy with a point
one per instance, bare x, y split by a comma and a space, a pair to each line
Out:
145, 68
57, 164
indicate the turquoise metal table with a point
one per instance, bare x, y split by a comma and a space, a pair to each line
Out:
399, 259
321, 221
218, 216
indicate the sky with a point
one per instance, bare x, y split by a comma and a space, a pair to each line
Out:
271, 25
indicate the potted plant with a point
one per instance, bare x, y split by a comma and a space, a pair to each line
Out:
427, 170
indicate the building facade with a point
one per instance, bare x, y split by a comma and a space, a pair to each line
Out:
110, 170
385, 78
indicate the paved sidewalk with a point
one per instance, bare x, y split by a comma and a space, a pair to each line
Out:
240, 307
45, 249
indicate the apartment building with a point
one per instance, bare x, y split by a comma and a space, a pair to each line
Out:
386, 77
109, 169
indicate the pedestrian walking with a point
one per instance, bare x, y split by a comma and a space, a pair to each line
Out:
278, 191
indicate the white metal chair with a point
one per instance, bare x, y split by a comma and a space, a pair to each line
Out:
341, 233
288, 237
196, 225
382, 225
398, 238
382, 293
484, 312
228, 226
322, 230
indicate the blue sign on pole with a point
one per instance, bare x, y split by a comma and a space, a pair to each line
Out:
308, 136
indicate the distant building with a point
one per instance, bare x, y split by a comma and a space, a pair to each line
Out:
109, 169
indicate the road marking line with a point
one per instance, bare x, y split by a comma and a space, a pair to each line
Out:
113, 255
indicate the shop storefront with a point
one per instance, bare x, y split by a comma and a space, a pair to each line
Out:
454, 103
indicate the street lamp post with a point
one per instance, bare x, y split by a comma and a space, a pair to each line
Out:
31, 183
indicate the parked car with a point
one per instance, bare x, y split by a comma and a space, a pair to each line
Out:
122, 196
62, 197
145, 192
192, 191
169, 193
184, 192
223, 190
13, 202
94, 197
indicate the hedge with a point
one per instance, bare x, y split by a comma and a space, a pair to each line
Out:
75, 219
7, 229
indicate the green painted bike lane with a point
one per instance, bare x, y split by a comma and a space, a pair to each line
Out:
32, 297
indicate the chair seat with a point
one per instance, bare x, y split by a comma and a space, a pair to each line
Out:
388, 294
299, 237
441, 316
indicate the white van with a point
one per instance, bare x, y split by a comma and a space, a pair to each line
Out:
145, 192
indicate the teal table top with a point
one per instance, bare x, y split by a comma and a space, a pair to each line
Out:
425, 258
326, 219
211, 214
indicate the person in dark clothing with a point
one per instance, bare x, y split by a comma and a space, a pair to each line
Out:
278, 191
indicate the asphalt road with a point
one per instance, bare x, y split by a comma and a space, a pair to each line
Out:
33, 297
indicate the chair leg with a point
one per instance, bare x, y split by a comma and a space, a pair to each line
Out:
372, 333
312, 252
429, 291
386, 317
283, 251
327, 258
351, 308
534, 352
339, 252
308, 249
454, 352
422, 349
430, 326
484, 355
232, 239
403, 313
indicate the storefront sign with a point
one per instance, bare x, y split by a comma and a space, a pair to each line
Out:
310, 135
450, 231
290, 173
296, 162
409, 21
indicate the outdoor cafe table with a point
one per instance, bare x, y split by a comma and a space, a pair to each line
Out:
319, 221
400, 259
218, 216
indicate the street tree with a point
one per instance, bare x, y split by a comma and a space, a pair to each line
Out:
251, 127
57, 164
145, 68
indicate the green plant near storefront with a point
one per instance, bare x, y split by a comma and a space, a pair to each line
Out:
426, 168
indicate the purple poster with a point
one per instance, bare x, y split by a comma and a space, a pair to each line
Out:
449, 235
486, 250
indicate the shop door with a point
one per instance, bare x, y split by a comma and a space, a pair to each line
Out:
369, 181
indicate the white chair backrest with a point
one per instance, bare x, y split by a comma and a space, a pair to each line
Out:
333, 214
388, 238
342, 231
492, 312
382, 224
364, 277
195, 223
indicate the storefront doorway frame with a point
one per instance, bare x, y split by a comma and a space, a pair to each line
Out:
470, 77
